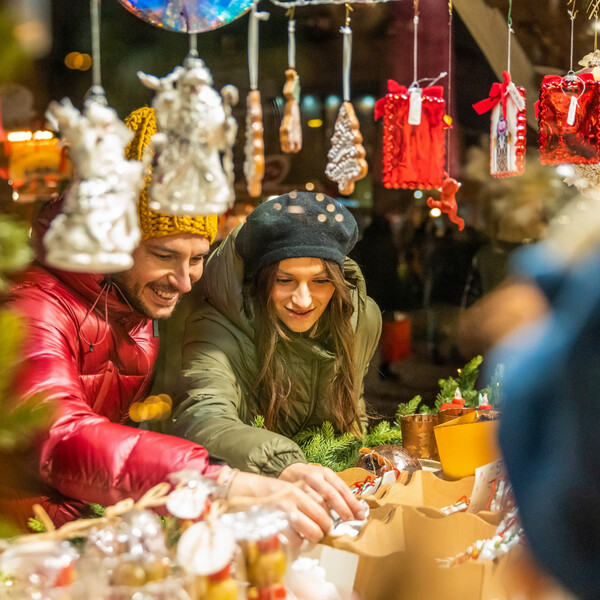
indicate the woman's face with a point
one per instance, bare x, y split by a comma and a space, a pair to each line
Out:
301, 292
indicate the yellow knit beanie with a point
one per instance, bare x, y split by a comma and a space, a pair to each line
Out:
142, 122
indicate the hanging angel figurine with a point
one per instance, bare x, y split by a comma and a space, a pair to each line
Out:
193, 148
98, 228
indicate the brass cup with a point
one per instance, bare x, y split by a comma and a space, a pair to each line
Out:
418, 437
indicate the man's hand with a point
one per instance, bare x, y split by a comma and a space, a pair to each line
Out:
326, 488
308, 518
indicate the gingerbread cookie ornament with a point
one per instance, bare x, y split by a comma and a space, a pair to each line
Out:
290, 132
346, 158
254, 149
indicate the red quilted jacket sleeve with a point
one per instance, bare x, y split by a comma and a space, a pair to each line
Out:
83, 455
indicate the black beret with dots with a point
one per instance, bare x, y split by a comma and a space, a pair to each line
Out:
296, 225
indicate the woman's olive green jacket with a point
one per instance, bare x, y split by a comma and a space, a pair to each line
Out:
214, 400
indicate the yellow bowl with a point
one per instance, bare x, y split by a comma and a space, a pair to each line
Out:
465, 445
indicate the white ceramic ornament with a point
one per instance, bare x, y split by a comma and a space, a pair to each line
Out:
98, 228
204, 550
187, 502
193, 148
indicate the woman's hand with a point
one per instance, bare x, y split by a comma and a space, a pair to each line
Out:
327, 488
308, 518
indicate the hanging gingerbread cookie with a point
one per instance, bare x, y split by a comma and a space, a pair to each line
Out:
290, 132
346, 157
254, 149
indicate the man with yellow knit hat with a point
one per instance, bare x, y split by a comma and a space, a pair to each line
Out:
90, 348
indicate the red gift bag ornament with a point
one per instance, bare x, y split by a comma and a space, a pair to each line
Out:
447, 202
413, 155
568, 117
508, 127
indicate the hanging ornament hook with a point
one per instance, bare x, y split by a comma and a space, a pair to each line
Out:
349, 9
255, 17
96, 92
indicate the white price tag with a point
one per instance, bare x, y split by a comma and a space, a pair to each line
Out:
572, 111
484, 487
415, 106
515, 95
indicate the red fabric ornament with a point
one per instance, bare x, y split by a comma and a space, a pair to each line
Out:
568, 116
508, 127
413, 155
447, 202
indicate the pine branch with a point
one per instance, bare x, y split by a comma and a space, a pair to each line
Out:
258, 422
407, 408
97, 510
35, 525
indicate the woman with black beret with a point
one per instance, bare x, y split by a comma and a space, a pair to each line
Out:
282, 328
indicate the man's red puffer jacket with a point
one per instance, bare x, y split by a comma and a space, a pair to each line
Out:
93, 370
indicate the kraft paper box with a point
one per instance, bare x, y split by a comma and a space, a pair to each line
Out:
405, 534
397, 552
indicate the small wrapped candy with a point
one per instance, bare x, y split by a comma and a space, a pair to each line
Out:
132, 552
413, 154
258, 534
39, 570
568, 119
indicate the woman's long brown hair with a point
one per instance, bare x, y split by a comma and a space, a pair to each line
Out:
273, 384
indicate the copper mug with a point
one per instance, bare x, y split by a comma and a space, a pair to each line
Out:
418, 437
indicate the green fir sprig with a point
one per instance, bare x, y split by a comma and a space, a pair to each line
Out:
339, 451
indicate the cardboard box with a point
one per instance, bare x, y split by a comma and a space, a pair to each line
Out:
407, 532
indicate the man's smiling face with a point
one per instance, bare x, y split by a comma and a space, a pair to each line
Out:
163, 270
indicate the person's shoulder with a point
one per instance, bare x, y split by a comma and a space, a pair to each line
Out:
372, 313
37, 290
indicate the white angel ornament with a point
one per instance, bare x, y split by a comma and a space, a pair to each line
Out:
98, 228
193, 148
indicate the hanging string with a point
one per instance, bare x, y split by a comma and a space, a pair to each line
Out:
415, 41
291, 39
510, 33
96, 92
346, 31
572, 14
193, 45
255, 17
449, 111
593, 10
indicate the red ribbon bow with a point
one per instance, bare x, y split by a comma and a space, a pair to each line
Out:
498, 93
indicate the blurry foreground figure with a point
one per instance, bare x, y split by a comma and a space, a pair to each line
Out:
549, 431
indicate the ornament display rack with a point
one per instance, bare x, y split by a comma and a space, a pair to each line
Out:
296, 3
